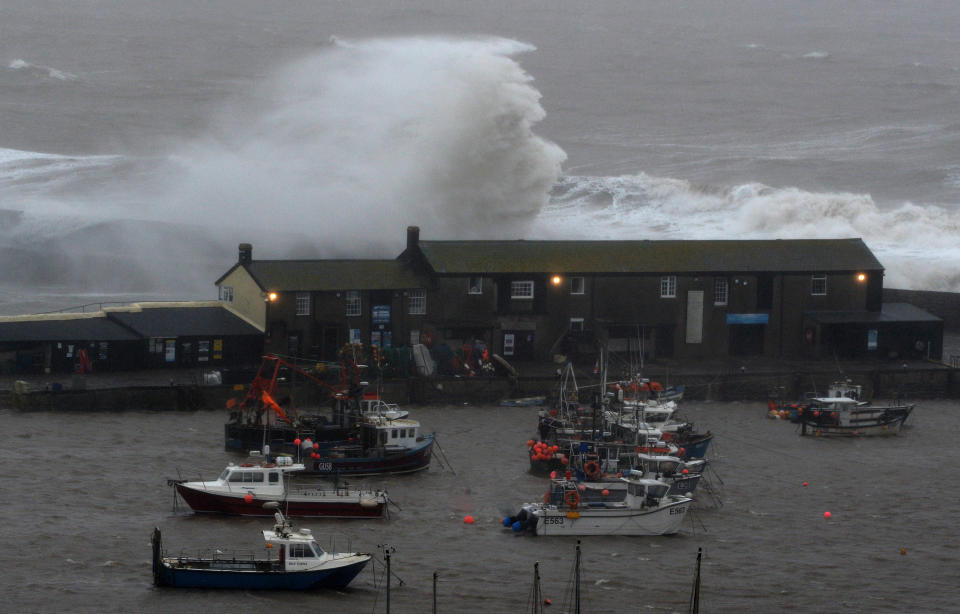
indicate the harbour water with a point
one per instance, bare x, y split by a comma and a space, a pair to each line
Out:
83, 491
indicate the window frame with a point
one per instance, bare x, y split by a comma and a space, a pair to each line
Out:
721, 288
575, 329
475, 288
417, 302
814, 279
354, 303
668, 286
302, 304
517, 285
573, 285
226, 294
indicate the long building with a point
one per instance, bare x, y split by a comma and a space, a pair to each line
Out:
535, 300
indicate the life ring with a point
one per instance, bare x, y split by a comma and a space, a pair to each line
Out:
592, 469
572, 498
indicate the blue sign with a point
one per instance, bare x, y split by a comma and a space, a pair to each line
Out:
381, 314
748, 318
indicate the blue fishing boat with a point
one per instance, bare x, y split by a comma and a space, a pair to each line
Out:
300, 564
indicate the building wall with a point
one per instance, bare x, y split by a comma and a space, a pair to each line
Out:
248, 298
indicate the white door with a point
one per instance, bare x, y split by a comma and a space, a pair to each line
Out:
695, 316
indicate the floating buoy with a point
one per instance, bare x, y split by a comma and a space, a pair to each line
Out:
248, 498
507, 521
804, 483
827, 514
468, 520
517, 526
903, 551
297, 441
553, 475
547, 601
316, 446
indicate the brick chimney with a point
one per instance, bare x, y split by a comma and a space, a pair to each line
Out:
413, 237
246, 253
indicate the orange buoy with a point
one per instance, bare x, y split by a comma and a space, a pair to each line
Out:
804, 483
468, 520
827, 514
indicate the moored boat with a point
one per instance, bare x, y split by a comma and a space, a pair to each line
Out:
844, 416
244, 489
300, 564
359, 435
646, 509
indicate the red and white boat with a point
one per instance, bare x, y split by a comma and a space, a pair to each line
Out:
244, 489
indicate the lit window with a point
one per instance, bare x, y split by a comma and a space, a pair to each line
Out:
818, 285
353, 302
576, 325
721, 291
668, 286
576, 285
521, 289
226, 293
475, 286
303, 303
417, 305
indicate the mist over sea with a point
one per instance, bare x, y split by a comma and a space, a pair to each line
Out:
141, 141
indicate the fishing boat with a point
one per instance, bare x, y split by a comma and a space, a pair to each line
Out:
844, 416
646, 509
359, 435
244, 489
299, 564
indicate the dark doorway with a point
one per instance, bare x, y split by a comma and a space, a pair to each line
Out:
746, 339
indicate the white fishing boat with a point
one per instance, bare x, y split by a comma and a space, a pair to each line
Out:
646, 509
244, 489
845, 416
299, 563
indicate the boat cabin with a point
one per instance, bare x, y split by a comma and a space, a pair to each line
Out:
666, 466
644, 491
264, 477
379, 431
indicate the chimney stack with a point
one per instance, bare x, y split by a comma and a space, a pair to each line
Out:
246, 253
413, 237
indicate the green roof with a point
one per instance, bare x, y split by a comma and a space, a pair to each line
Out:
320, 275
639, 257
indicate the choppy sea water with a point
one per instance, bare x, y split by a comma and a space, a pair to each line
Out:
139, 143
83, 492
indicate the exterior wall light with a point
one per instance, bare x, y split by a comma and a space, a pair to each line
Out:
271, 296
555, 280
861, 277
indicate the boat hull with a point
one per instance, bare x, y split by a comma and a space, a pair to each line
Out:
662, 520
379, 462
330, 505
252, 575
864, 421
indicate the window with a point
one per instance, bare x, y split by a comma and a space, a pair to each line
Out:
521, 289
576, 325
818, 285
475, 286
226, 293
668, 286
300, 551
417, 302
576, 285
721, 291
303, 303
353, 302
274, 477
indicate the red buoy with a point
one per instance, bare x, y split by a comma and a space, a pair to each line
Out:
468, 520
827, 514
296, 441
248, 498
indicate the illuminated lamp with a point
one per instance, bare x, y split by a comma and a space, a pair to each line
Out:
555, 280
861, 277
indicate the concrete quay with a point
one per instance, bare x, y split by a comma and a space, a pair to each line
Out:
715, 380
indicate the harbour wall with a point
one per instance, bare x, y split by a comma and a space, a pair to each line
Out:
888, 382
